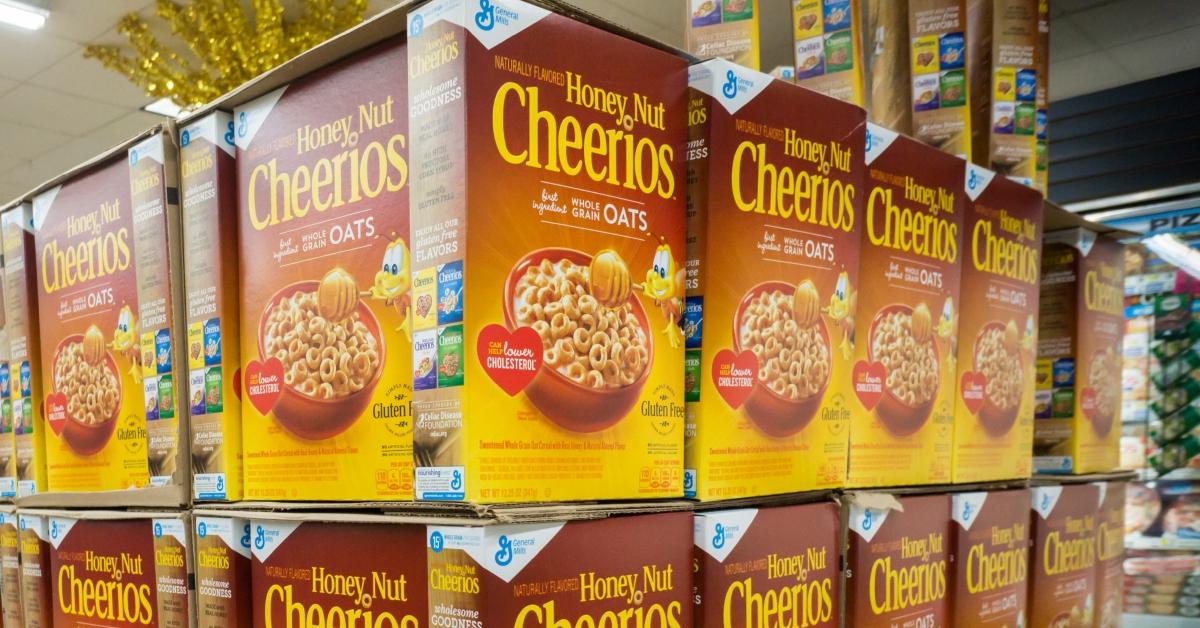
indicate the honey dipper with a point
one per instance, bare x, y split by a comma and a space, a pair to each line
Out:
337, 295
922, 323
93, 345
609, 279
806, 304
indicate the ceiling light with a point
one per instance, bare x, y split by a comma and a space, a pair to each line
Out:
163, 107
23, 14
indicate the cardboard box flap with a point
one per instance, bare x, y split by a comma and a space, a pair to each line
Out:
438, 513
170, 496
768, 501
107, 515
1056, 218
1052, 480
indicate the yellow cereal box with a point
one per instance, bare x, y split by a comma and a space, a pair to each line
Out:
902, 424
25, 378
323, 177
997, 339
774, 218
8, 459
550, 185
208, 188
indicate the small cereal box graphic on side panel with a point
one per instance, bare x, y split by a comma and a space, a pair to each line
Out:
210, 217
906, 324
25, 377
326, 351
37, 606
898, 560
1063, 560
747, 556
774, 214
548, 272
990, 540
223, 572
91, 356
293, 562
997, 347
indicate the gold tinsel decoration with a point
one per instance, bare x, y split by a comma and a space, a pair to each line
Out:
228, 43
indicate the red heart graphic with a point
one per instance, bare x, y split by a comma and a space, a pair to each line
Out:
972, 388
1087, 402
734, 375
56, 412
511, 359
264, 383
869, 379
237, 383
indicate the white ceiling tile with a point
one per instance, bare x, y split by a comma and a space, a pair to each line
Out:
1145, 59
1084, 74
86, 77
47, 109
1127, 21
122, 129
1067, 41
84, 20
65, 157
25, 53
27, 142
6, 84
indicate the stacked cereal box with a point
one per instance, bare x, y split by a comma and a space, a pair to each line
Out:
774, 213
1081, 326
1110, 554
1062, 582
207, 186
20, 307
902, 418
10, 567
223, 571
322, 183
826, 35
993, 426
8, 458
991, 566
548, 277
36, 604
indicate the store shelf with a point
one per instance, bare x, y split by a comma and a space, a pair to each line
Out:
1129, 620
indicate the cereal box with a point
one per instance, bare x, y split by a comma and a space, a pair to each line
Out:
726, 29
752, 569
990, 537
1063, 578
550, 182
1003, 37
336, 574
898, 561
208, 186
8, 459
1042, 56
91, 357
997, 339
222, 572
826, 36
631, 570
36, 604
903, 377
886, 56
1110, 554
1080, 329
21, 313
119, 568
10, 568
323, 177
774, 223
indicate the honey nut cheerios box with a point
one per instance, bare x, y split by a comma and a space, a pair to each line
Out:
548, 248
997, 338
990, 538
906, 323
1081, 324
25, 378
223, 571
323, 176
10, 567
752, 569
775, 211
1110, 554
36, 604
1062, 577
209, 199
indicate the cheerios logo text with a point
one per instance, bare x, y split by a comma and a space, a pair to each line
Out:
101, 254
896, 588
792, 597
1000, 246
623, 597
105, 587
338, 599
918, 223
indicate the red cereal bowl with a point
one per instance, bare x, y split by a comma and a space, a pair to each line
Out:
308, 417
899, 417
86, 439
567, 404
996, 421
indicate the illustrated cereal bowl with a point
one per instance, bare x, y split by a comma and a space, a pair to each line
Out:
595, 359
1003, 377
913, 376
794, 361
328, 378
93, 396
1105, 370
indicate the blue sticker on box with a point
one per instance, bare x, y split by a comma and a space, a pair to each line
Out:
449, 293
836, 15
951, 51
212, 342
693, 321
162, 350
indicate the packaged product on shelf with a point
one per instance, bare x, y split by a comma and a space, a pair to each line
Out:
323, 177
36, 603
1110, 554
332, 571
774, 224
564, 232
210, 223
827, 39
997, 340
991, 565
1081, 325
222, 571
1042, 57
120, 568
752, 569
8, 458
25, 377
897, 560
1003, 41
10, 568
902, 416
564, 574
886, 59
1063, 579
726, 29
